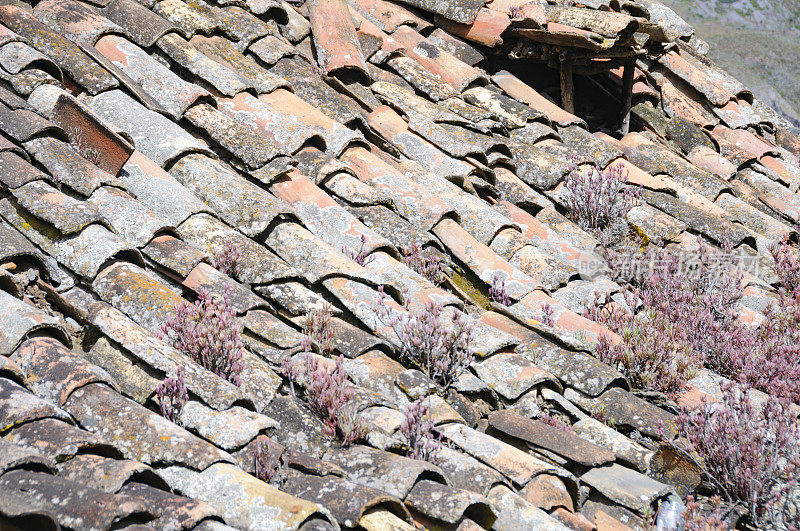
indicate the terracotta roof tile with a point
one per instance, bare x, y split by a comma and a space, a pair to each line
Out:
225, 53
75, 21
142, 25
171, 92
334, 36
347, 501
516, 512
133, 221
65, 54
486, 29
173, 255
141, 141
189, 18
456, 47
172, 510
76, 505
228, 489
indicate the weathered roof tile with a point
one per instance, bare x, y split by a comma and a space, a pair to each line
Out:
510, 375
73, 20
256, 264
335, 38
171, 92
172, 510
240, 498
129, 218
515, 464
150, 183
20, 319
544, 436
173, 254
625, 486
239, 202
381, 470
72, 503
153, 300
103, 473
66, 54
19, 406
139, 433
142, 25
54, 372
463, 11
15, 456
347, 501
147, 129
449, 504
223, 52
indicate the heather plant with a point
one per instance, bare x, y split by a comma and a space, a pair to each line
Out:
329, 395
172, 395
425, 262
361, 257
318, 329
436, 345
207, 331
497, 291
226, 258
750, 453
417, 430
599, 201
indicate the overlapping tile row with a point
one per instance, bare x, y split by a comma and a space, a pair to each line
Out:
138, 139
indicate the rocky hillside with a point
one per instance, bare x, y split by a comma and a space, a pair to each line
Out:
757, 41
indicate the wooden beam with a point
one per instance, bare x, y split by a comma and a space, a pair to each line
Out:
627, 95
567, 88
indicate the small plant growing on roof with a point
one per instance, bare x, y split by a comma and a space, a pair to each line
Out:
547, 314
329, 394
266, 462
437, 345
226, 258
787, 265
417, 430
208, 331
172, 395
599, 201
58, 180
555, 422
319, 330
361, 257
497, 291
685, 317
426, 262
750, 453
695, 519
